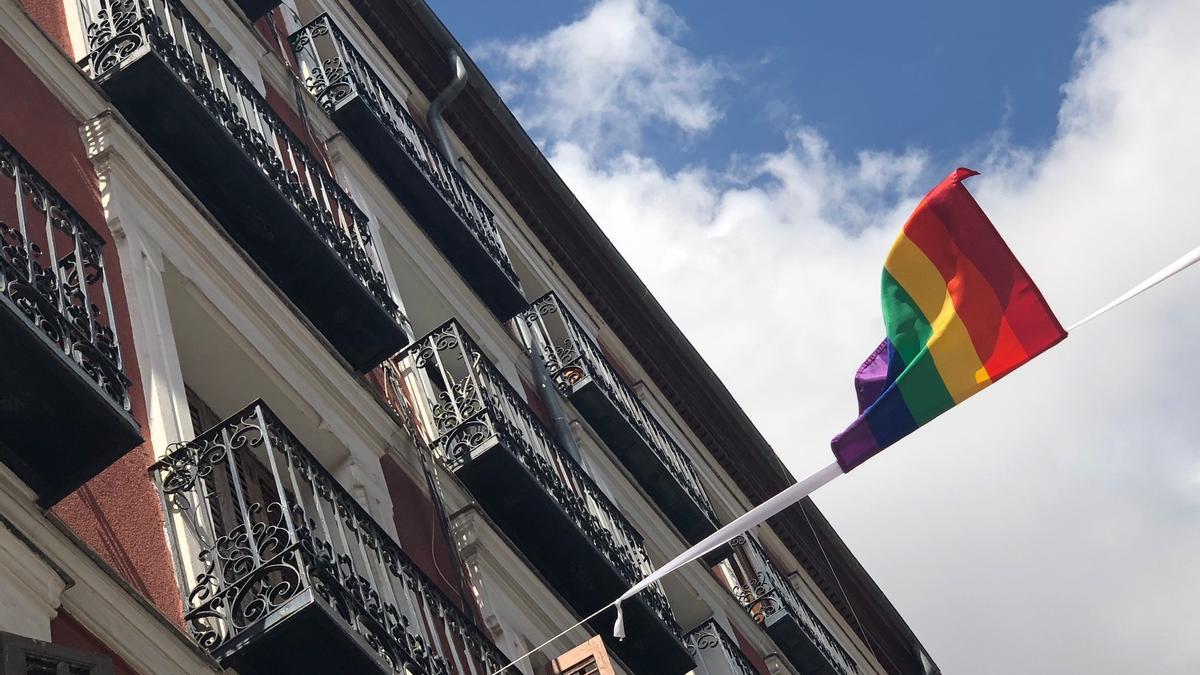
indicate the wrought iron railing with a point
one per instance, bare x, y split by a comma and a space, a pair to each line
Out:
267, 523
335, 71
119, 29
715, 652
461, 402
764, 592
52, 270
571, 355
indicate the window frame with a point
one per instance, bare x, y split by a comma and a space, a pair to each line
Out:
15, 651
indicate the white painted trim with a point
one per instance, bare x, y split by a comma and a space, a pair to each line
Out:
30, 588
340, 152
282, 342
517, 607
417, 251
103, 605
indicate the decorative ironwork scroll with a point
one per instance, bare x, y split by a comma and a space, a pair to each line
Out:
764, 593
52, 270
271, 523
571, 356
715, 652
461, 402
335, 71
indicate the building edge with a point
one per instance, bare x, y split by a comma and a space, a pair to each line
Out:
419, 41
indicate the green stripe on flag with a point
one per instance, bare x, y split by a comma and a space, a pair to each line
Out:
923, 390
907, 327
920, 384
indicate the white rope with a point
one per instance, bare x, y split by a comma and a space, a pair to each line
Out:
529, 653
800, 490
1162, 275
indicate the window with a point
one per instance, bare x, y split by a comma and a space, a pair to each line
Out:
26, 656
255, 483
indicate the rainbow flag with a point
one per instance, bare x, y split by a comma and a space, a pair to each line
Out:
960, 313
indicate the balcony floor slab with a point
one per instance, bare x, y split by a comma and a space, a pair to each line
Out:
58, 429
631, 449
428, 207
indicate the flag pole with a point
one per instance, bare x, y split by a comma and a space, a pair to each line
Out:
1185, 261
820, 478
712, 542
737, 526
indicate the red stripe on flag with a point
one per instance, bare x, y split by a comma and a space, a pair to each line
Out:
974, 299
1028, 316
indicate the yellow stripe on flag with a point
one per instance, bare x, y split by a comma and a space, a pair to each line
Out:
949, 343
916, 274
954, 355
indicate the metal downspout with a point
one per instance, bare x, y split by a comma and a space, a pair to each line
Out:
548, 392
542, 380
434, 117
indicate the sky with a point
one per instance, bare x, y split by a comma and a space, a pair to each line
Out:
755, 166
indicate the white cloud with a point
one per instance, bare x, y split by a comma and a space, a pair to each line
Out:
1050, 525
603, 78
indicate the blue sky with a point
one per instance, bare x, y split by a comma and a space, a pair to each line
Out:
941, 76
754, 168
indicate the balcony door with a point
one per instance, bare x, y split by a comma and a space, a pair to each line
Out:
239, 493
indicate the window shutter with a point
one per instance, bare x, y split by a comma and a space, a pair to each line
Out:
589, 658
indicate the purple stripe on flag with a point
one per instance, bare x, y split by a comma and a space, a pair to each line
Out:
883, 415
854, 445
872, 377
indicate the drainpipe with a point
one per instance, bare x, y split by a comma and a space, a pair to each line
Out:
542, 379
548, 392
434, 117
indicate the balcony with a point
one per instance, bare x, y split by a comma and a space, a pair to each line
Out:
715, 652
266, 189
772, 601
594, 387
64, 397
286, 573
537, 495
378, 123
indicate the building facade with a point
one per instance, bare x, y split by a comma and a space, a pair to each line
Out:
312, 364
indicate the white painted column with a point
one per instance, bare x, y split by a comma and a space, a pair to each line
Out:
142, 266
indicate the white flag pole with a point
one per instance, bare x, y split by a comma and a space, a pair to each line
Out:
802, 489
717, 539
712, 542
1186, 261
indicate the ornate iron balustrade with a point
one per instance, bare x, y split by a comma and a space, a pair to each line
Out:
572, 356
768, 596
120, 31
271, 531
53, 272
715, 652
335, 71
462, 403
